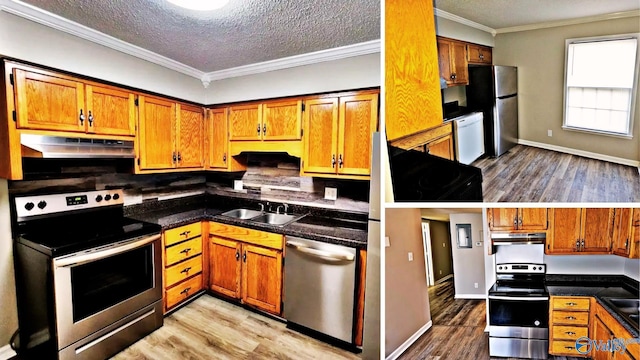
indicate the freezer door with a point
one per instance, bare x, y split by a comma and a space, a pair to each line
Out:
506, 80
505, 124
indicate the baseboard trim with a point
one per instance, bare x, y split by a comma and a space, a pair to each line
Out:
6, 352
587, 154
471, 296
444, 279
405, 345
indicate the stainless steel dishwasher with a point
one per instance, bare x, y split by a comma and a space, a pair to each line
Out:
319, 286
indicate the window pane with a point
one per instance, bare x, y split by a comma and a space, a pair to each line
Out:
603, 99
620, 99
575, 97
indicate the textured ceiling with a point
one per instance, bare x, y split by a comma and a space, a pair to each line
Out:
243, 32
498, 14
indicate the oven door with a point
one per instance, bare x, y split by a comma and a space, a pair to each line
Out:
94, 289
519, 317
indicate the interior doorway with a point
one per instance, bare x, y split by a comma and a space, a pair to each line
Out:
428, 255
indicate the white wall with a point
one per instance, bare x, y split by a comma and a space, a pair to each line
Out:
8, 309
585, 264
344, 74
468, 264
632, 268
26, 40
455, 30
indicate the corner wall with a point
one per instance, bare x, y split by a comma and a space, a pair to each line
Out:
468, 263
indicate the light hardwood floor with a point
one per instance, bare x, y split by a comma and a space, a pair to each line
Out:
529, 174
210, 328
457, 331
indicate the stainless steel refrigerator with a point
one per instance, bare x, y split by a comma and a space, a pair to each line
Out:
494, 91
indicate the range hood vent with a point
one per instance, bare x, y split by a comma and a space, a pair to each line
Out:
518, 238
55, 147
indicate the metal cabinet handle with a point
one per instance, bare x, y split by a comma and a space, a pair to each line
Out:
569, 333
81, 117
571, 304
179, 156
175, 158
224, 158
515, 222
626, 243
570, 318
582, 244
185, 291
90, 118
569, 347
186, 251
244, 257
340, 162
237, 256
264, 129
577, 245
186, 270
333, 160
185, 233
481, 57
520, 222
258, 129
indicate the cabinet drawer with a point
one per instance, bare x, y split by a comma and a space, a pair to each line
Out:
569, 303
183, 270
569, 332
255, 237
182, 233
565, 348
570, 318
183, 291
184, 250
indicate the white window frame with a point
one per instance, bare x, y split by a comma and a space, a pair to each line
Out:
634, 90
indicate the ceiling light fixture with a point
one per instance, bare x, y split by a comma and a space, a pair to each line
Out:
200, 5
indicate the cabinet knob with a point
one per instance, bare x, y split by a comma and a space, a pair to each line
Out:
264, 129
570, 333
185, 233
244, 257
185, 291
185, 251
175, 158
237, 256
90, 118
224, 158
179, 156
333, 160
481, 57
258, 129
186, 270
340, 162
81, 117
570, 318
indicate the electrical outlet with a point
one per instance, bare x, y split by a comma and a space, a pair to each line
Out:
549, 133
330, 193
410, 256
387, 241
444, 245
440, 272
475, 285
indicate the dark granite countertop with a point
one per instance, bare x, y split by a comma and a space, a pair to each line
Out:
189, 210
601, 287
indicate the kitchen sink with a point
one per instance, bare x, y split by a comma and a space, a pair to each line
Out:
629, 308
275, 219
243, 214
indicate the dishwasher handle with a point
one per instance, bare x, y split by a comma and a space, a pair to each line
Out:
327, 255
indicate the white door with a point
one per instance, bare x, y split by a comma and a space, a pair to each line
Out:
428, 260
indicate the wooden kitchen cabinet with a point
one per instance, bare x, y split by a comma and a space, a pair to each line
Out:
478, 54
512, 219
246, 265
635, 234
576, 231
274, 120
622, 242
437, 141
171, 135
338, 136
183, 264
605, 327
217, 143
568, 321
55, 102
452, 61
245, 122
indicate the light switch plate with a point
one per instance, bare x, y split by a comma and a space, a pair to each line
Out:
330, 193
410, 256
387, 241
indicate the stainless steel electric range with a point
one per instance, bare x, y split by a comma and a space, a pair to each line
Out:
88, 279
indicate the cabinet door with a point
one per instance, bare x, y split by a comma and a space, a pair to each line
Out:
635, 223
282, 120
357, 122
444, 61
321, 136
600, 333
156, 133
45, 102
622, 232
597, 230
532, 219
190, 136
477, 54
110, 111
459, 63
218, 140
442, 147
502, 219
262, 278
565, 231
224, 266
245, 122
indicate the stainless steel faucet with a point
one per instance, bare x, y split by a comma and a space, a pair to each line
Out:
261, 206
283, 206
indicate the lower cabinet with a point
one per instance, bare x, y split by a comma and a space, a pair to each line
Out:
246, 264
183, 265
436, 141
606, 328
569, 321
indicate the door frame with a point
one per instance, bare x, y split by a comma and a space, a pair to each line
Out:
428, 255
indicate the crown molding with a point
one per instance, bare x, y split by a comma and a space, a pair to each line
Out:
582, 20
463, 21
343, 52
54, 21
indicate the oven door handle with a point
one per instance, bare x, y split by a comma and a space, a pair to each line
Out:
517, 298
115, 250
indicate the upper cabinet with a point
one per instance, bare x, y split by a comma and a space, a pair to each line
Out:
452, 60
517, 219
580, 231
279, 120
338, 136
56, 102
170, 136
478, 54
245, 122
217, 143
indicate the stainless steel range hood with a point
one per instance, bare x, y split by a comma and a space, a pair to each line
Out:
55, 147
518, 238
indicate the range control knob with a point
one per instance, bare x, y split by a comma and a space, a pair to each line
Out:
42, 204
107, 197
29, 206
500, 268
116, 196
536, 323
98, 198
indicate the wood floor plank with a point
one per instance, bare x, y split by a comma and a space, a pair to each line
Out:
529, 174
210, 328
